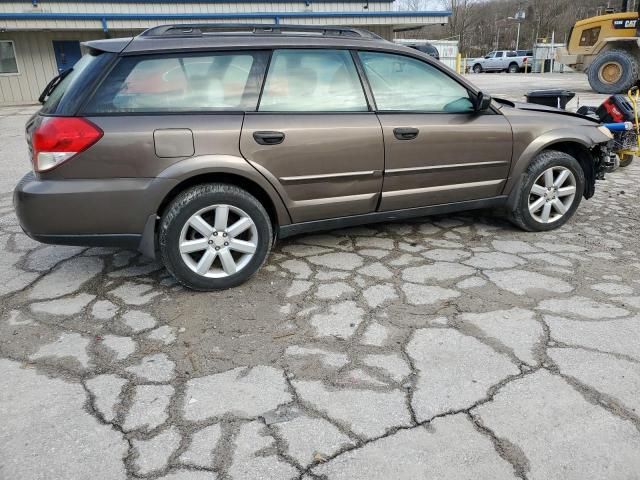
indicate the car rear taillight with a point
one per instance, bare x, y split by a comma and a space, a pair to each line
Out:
58, 139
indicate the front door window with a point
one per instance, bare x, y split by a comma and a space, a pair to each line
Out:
406, 84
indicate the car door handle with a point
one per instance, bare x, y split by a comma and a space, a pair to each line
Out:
268, 138
406, 133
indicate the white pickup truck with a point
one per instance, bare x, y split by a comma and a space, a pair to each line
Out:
501, 61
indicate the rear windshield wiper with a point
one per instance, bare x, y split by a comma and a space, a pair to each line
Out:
51, 86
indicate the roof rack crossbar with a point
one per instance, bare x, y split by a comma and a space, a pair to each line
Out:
205, 29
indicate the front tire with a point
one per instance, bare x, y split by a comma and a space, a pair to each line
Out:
613, 71
550, 192
214, 236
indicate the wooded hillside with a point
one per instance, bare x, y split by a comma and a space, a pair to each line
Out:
479, 24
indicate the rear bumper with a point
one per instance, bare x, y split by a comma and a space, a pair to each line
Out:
93, 212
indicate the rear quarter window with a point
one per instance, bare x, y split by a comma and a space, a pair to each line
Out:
224, 81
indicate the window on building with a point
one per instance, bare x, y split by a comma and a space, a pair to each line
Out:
8, 61
589, 37
312, 81
211, 82
402, 83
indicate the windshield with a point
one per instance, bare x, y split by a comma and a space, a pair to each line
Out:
56, 100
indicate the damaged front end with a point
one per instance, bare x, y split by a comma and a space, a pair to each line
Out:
604, 160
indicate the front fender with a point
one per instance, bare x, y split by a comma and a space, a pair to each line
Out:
580, 142
525, 152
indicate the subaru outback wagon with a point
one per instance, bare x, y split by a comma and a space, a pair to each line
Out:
203, 144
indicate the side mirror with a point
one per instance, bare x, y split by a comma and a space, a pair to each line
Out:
483, 102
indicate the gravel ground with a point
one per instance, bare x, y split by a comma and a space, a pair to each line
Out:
452, 347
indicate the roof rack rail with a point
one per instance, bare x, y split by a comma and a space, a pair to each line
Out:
206, 29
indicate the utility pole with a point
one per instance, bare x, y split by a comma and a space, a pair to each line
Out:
553, 48
519, 17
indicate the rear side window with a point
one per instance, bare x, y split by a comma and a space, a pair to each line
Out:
209, 82
312, 81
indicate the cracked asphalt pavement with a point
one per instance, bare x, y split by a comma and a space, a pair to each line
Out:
449, 347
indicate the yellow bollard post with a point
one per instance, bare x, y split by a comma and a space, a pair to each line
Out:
458, 62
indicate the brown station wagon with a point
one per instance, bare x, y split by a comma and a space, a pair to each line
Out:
204, 143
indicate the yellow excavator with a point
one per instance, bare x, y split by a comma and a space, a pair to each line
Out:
607, 48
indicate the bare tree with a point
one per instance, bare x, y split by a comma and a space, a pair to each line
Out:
484, 25
460, 19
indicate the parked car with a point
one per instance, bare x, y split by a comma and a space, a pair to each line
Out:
501, 61
427, 48
241, 135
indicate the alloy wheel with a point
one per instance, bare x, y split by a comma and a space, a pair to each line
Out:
552, 194
218, 241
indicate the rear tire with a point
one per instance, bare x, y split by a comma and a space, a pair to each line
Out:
513, 68
550, 192
613, 71
214, 236
477, 68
